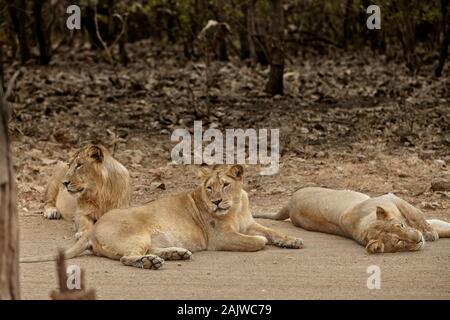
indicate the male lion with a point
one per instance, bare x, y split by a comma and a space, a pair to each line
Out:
91, 184
215, 216
381, 224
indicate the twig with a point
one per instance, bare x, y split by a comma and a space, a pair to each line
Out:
99, 37
122, 31
11, 84
4, 96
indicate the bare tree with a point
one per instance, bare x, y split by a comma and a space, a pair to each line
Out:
243, 32
346, 23
445, 40
9, 239
17, 11
275, 84
1, 67
256, 35
406, 25
42, 33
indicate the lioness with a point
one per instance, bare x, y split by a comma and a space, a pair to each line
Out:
91, 184
215, 216
381, 224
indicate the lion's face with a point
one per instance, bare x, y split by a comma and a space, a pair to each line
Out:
388, 234
222, 188
85, 169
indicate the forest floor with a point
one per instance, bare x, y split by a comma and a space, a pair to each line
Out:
347, 120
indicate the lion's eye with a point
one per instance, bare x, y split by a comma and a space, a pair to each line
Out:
226, 184
209, 189
78, 165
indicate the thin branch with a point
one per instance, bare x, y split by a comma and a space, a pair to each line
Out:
99, 37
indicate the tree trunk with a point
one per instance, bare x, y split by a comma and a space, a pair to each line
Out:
88, 20
110, 36
222, 50
257, 36
251, 31
123, 46
445, 41
9, 249
17, 12
275, 84
42, 35
171, 22
346, 24
2, 83
243, 33
407, 31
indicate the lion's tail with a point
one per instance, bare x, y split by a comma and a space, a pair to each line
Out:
441, 227
78, 248
283, 214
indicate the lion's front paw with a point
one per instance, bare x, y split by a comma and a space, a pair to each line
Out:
431, 235
290, 243
145, 262
51, 213
260, 242
179, 254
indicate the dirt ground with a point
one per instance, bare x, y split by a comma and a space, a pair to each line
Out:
355, 121
329, 267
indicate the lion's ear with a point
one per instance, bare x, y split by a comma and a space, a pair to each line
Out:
382, 214
236, 171
95, 153
375, 246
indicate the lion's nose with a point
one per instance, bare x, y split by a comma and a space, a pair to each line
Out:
216, 202
66, 183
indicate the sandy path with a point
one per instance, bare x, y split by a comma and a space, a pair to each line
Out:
329, 267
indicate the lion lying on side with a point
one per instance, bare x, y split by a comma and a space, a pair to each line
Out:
215, 216
381, 224
91, 184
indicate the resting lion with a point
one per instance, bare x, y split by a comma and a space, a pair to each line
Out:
381, 224
91, 184
215, 216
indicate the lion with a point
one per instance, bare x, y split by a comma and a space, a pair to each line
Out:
382, 224
215, 216
89, 186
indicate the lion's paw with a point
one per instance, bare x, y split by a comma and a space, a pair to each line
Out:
290, 243
144, 262
52, 213
431, 235
179, 254
262, 241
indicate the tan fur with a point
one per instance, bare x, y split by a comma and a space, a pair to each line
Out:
381, 224
215, 216
95, 183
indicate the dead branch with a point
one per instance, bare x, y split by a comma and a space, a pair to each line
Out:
64, 293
